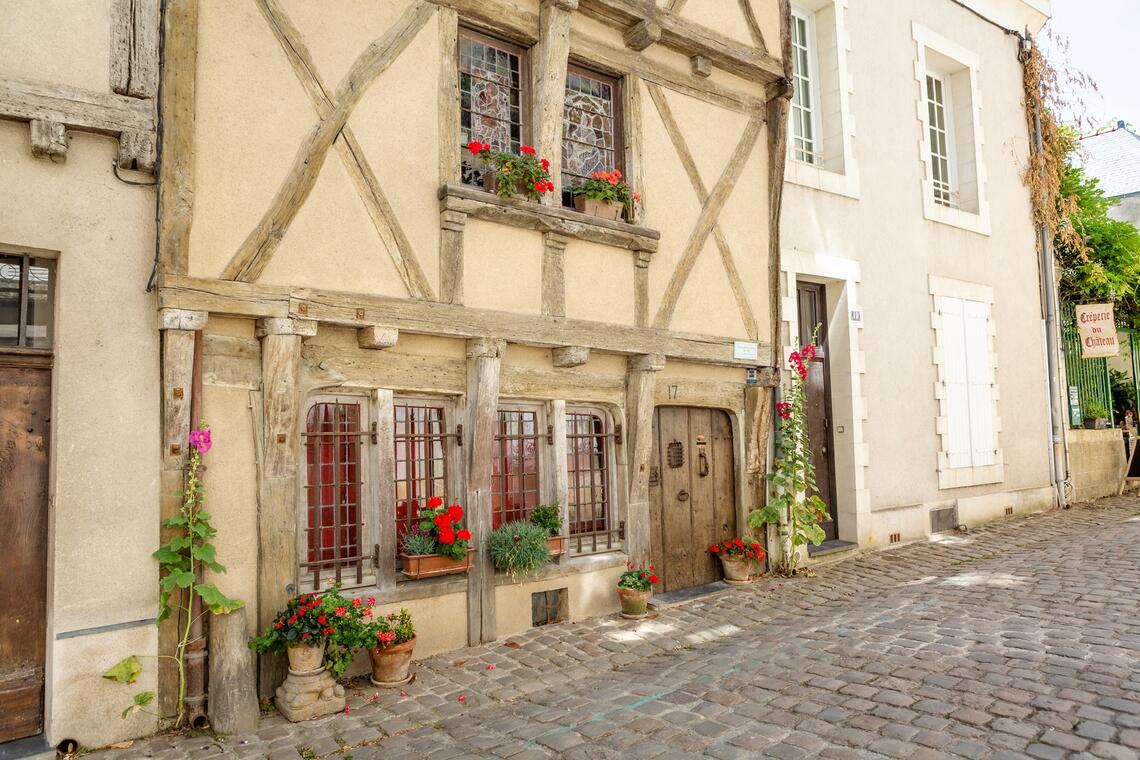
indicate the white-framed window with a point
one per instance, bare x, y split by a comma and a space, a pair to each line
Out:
338, 521
805, 110
942, 159
949, 115
966, 386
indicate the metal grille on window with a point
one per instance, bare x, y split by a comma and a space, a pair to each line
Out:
803, 113
588, 481
421, 462
491, 106
26, 301
591, 139
939, 141
333, 487
514, 474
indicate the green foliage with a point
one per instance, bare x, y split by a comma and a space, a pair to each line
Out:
1093, 409
140, 701
796, 503
394, 629
418, 543
1099, 256
548, 516
524, 171
126, 670
1123, 393
608, 186
444, 525
519, 547
637, 578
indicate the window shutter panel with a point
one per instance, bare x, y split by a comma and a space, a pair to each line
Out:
980, 380
957, 383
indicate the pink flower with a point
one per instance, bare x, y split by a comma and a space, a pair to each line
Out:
200, 439
637, 197
784, 409
808, 351
347, 710
490, 667
461, 698
403, 693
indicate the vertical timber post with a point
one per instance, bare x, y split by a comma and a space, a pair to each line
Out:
484, 357
552, 54
277, 489
640, 386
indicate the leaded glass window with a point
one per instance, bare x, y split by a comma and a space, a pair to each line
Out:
591, 136
492, 108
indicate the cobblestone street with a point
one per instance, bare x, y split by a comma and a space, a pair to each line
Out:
1020, 639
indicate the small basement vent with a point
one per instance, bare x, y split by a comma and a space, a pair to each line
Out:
1009, 511
943, 520
895, 538
548, 607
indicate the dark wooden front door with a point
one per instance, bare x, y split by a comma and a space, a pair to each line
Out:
812, 317
25, 394
692, 494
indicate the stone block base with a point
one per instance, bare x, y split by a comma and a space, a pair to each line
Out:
309, 695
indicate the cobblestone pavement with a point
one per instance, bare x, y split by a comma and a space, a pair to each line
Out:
1021, 639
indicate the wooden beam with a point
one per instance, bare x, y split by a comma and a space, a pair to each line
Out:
516, 212
432, 318
381, 464
137, 150
710, 211
450, 162
49, 139
642, 34
451, 224
634, 140
74, 107
570, 356
777, 158
484, 356
688, 37
641, 380
134, 47
176, 175
375, 336
701, 65
554, 274
549, 59
260, 244
753, 25
641, 291
359, 170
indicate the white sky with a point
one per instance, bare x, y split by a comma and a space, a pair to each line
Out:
1103, 37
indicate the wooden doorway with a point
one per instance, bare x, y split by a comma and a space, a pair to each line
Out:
812, 300
25, 410
692, 493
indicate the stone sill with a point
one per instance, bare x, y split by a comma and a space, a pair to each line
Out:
480, 204
569, 565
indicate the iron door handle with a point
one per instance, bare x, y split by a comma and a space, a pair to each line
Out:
682, 495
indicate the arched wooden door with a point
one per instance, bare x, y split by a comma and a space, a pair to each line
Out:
692, 493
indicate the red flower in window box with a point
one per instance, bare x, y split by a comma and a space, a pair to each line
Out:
435, 502
437, 544
455, 512
509, 174
606, 195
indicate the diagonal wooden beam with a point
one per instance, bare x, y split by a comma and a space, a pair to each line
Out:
735, 282
258, 248
753, 25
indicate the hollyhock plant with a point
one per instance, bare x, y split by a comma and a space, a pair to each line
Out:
518, 172
443, 525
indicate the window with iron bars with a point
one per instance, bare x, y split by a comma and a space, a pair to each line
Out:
335, 541
589, 502
421, 442
514, 466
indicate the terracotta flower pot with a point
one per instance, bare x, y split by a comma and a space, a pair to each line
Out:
736, 570
304, 658
491, 185
418, 566
634, 604
611, 210
390, 664
557, 546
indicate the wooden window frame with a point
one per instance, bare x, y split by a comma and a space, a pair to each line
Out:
599, 541
24, 299
452, 478
541, 460
617, 85
366, 501
525, 84
812, 110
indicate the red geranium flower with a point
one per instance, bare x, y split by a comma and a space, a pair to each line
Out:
653, 579
455, 512
476, 147
447, 536
355, 602
464, 535
322, 619
540, 187
784, 409
545, 165
435, 502
714, 549
526, 149
443, 522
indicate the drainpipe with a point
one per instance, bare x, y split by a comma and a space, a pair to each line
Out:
1059, 463
196, 648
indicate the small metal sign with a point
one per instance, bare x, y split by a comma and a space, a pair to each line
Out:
1075, 417
743, 349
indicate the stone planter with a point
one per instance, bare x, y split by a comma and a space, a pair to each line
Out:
390, 664
418, 566
304, 658
611, 210
736, 570
557, 546
634, 604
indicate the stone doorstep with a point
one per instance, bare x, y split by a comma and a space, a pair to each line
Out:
685, 595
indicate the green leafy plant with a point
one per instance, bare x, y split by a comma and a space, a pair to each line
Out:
1093, 409
519, 547
415, 543
443, 525
795, 507
513, 172
608, 186
1123, 394
180, 562
389, 631
549, 516
638, 578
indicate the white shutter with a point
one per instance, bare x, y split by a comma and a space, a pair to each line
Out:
980, 380
956, 379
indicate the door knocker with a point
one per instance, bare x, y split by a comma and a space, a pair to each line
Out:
702, 457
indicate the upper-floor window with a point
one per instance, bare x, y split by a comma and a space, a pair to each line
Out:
942, 162
493, 96
805, 113
592, 131
515, 465
26, 301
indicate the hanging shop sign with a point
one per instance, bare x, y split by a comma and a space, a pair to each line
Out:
1097, 328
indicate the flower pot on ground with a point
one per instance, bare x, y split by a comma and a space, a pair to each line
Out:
549, 516
393, 641
519, 548
437, 544
611, 210
606, 195
738, 557
634, 588
510, 174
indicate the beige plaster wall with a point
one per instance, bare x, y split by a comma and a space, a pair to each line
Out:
57, 41
590, 594
1096, 462
105, 417
897, 250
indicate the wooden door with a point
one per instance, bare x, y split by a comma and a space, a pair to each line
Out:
813, 317
692, 494
25, 394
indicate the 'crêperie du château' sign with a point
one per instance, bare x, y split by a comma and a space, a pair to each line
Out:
1097, 329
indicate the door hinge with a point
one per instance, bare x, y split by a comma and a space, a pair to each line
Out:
550, 434
459, 434
376, 556
621, 530
617, 434
374, 432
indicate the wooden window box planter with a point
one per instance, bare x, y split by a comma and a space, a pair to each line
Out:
611, 210
418, 566
557, 546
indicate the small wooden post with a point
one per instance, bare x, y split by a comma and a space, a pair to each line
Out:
641, 382
556, 486
233, 684
553, 274
452, 224
484, 357
550, 84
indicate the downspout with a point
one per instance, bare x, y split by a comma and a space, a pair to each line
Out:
1059, 463
196, 647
